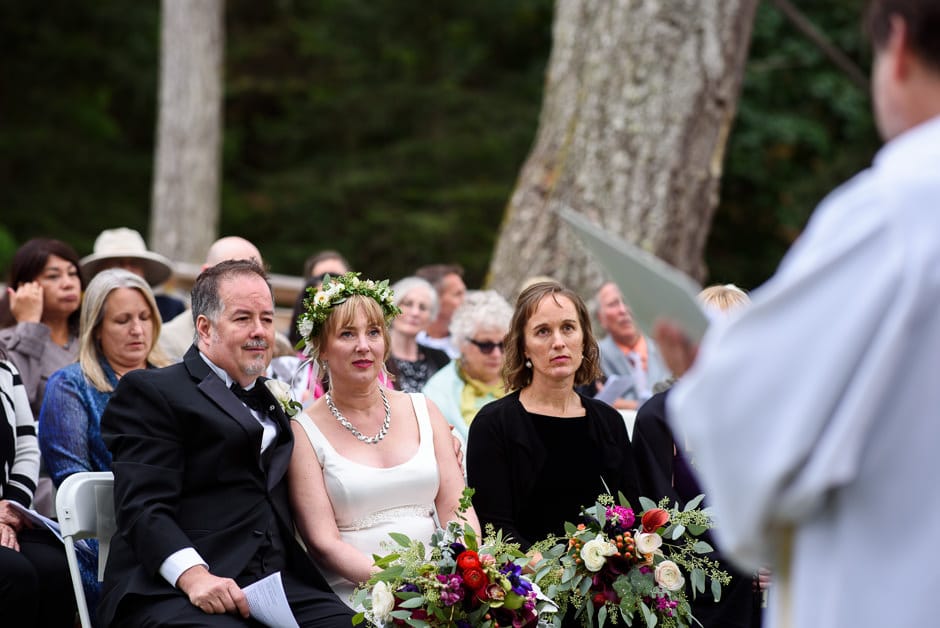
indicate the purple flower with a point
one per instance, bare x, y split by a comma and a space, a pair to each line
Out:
619, 519
513, 573
457, 548
452, 591
463, 623
409, 587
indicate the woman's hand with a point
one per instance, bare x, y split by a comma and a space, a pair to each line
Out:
26, 302
8, 537
677, 350
10, 516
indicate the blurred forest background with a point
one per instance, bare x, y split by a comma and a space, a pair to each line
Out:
390, 130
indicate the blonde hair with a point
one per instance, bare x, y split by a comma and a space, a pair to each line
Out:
93, 304
344, 314
723, 298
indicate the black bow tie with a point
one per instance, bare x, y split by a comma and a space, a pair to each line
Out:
256, 399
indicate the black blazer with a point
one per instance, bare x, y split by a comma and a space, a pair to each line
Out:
505, 458
188, 473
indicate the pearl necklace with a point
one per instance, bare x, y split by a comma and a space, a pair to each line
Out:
369, 440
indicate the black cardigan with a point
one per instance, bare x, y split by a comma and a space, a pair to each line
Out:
505, 458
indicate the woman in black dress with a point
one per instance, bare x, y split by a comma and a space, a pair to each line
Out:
542, 452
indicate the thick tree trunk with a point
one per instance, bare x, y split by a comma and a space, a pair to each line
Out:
639, 99
185, 215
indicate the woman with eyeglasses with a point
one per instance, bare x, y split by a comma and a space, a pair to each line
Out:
542, 452
409, 363
473, 380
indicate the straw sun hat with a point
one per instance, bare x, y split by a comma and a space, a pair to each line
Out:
123, 243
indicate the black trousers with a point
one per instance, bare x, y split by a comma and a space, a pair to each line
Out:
312, 608
35, 587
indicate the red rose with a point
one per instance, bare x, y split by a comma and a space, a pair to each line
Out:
653, 519
468, 560
475, 578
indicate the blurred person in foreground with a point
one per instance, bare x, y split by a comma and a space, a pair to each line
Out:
368, 460
447, 280
35, 587
409, 363
667, 471
833, 417
200, 452
474, 379
120, 324
543, 451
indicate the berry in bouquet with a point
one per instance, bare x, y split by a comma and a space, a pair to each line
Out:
616, 565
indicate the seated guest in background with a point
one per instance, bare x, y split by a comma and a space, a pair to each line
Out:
35, 587
410, 364
542, 452
327, 262
39, 326
474, 379
177, 335
368, 461
447, 280
120, 325
666, 470
39, 314
625, 351
125, 248
200, 452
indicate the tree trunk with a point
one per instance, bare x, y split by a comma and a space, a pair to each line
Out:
639, 100
185, 216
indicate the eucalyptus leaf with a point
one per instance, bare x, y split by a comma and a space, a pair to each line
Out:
622, 499
698, 581
647, 503
584, 586
601, 616
677, 532
400, 538
701, 547
716, 590
694, 502
415, 602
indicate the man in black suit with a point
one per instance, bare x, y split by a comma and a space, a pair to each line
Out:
200, 490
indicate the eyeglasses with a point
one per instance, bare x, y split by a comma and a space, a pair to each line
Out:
486, 347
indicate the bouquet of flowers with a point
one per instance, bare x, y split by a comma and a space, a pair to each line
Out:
612, 567
456, 582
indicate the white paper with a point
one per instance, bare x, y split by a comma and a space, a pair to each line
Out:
614, 388
81, 546
653, 288
267, 602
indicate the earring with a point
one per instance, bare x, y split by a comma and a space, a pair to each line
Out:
528, 363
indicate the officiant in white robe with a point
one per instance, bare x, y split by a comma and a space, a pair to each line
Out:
813, 419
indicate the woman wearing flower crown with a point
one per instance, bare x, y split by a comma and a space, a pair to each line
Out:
367, 460
539, 454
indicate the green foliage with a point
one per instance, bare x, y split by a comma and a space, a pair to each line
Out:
390, 130
802, 129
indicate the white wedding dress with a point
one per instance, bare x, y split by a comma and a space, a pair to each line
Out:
369, 502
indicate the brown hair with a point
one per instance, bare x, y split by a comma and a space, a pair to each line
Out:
27, 265
515, 373
922, 18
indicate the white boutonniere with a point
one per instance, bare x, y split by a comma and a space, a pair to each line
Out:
282, 393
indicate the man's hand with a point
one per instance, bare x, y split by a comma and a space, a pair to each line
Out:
677, 350
212, 594
26, 302
458, 448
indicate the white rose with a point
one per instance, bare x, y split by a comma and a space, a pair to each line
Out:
647, 543
354, 282
305, 326
383, 602
280, 390
668, 576
595, 553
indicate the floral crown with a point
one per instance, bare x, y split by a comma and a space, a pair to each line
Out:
333, 291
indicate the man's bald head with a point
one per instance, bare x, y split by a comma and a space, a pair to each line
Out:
230, 248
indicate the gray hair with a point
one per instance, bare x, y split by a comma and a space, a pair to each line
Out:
93, 304
206, 300
481, 309
403, 286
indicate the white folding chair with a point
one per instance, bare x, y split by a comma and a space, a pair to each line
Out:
85, 506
